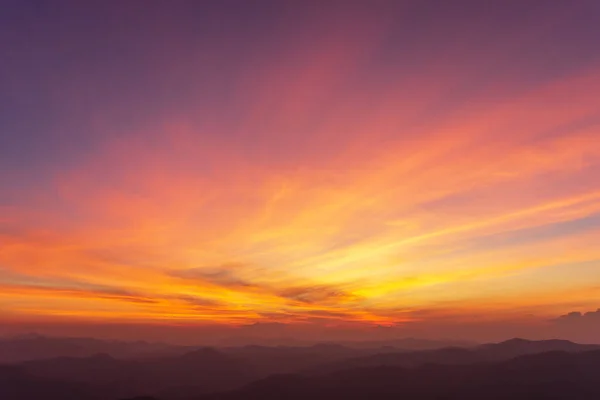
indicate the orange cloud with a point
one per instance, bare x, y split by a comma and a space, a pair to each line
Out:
325, 191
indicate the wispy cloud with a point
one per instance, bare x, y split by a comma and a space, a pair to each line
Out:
353, 174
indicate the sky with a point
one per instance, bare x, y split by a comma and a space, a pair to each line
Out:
340, 169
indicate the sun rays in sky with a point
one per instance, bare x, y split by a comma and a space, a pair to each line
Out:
343, 165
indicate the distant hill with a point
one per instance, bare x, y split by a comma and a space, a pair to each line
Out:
281, 359
518, 347
407, 343
267, 360
410, 343
35, 347
455, 355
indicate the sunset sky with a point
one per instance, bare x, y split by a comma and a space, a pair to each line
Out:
427, 166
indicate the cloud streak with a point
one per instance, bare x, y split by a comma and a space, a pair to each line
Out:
326, 169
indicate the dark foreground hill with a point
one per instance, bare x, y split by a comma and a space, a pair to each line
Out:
201, 371
16, 384
553, 375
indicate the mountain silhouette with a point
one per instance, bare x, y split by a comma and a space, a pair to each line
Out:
281, 359
35, 347
455, 355
553, 375
16, 384
491, 371
518, 347
201, 371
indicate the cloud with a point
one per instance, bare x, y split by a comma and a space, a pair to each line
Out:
89, 292
320, 294
276, 316
329, 314
577, 317
69, 287
201, 302
222, 275
229, 276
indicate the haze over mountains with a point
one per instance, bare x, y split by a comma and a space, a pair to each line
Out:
100, 370
33, 346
